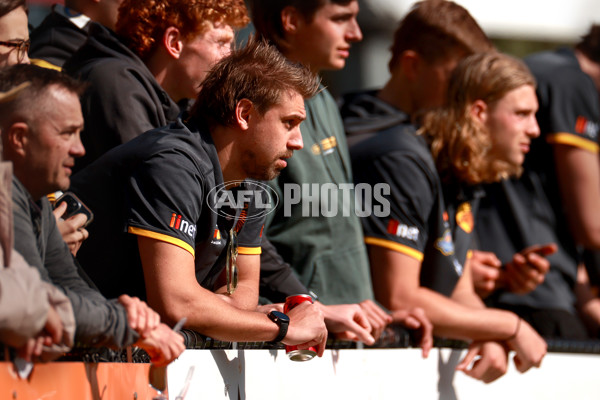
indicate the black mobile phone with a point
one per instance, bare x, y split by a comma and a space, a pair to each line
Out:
74, 206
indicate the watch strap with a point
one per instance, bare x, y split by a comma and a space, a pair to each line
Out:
281, 323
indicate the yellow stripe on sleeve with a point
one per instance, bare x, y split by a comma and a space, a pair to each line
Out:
162, 237
250, 250
400, 248
573, 140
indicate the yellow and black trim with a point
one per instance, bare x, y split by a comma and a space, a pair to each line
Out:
573, 140
400, 248
45, 64
250, 250
162, 237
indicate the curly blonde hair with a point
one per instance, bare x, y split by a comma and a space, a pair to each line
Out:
460, 145
141, 23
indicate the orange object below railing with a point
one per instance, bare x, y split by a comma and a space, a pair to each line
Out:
77, 381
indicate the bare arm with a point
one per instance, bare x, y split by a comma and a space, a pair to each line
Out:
245, 296
464, 292
396, 283
579, 183
173, 291
588, 301
397, 286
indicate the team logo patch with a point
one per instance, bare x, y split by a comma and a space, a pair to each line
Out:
584, 126
325, 146
178, 223
402, 230
445, 244
216, 239
464, 217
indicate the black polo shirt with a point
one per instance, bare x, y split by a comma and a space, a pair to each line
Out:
425, 222
514, 215
569, 112
166, 184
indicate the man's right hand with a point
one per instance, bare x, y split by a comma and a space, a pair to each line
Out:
486, 270
140, 316
528, 268
347, 321
53, 328
486, 361
162, 344
523, 274
530, 348
417, 320
307, 328
51, 333
377, 317
71, 229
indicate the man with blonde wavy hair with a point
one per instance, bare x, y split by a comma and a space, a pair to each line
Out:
418, 252
156, 59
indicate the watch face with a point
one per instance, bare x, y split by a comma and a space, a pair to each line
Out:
280, 316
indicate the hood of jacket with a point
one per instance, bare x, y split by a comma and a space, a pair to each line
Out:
363, 112
104, 46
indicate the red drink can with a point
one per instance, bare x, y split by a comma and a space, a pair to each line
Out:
293, 352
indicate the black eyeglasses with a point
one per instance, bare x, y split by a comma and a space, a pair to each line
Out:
22, 47
231, 262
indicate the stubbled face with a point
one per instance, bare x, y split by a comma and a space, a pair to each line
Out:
13, 26
273, 137
53, 143
324, 43
199, 55
512, 124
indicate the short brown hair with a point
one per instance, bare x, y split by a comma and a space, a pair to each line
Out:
436, 29
459, 145
258, 72
141, 23
40, 79
266, 15
7, 6
590, 44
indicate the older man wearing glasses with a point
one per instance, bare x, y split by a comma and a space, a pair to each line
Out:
14, 34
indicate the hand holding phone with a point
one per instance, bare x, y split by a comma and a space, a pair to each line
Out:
74, 206
72, 216
529, 267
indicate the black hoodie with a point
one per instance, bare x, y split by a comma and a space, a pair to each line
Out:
56, 39
363, 112
123, 100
